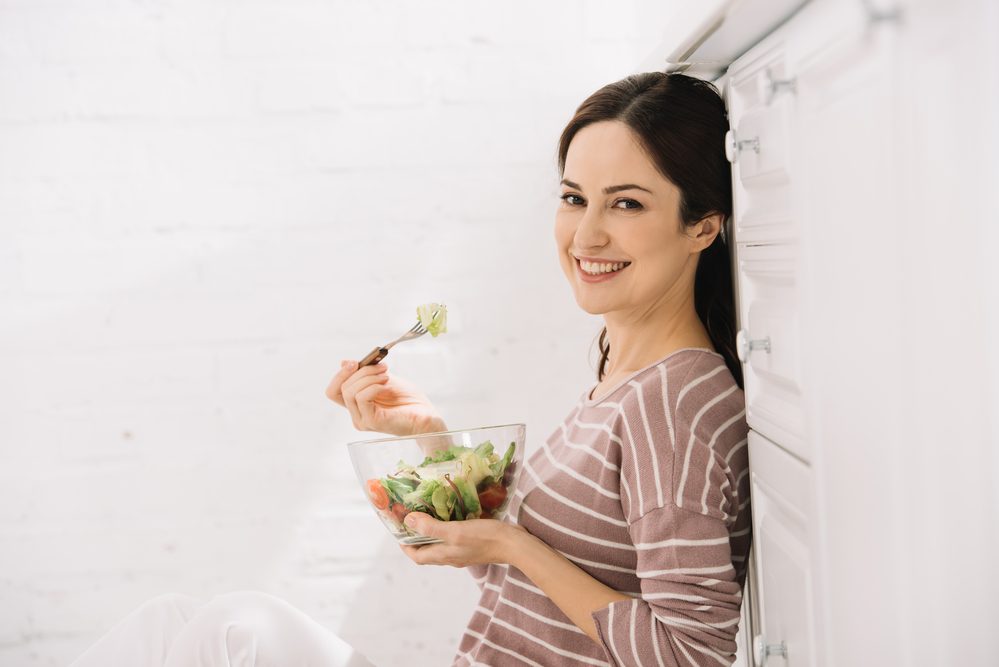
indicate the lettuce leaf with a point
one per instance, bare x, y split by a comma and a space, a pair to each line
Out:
445, 484
398, 487
499, 467
433, 316
469, 497
443, 499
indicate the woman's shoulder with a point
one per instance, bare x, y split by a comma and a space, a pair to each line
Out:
683, 416
691, 386
690, 390
704, 393
666, 371
697, 392
691, 374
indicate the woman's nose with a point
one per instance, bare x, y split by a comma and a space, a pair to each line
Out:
590, 233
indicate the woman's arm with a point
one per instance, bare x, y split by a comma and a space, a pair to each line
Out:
484, 541
687, 614
574, 591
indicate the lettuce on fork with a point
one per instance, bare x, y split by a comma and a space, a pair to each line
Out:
433, 316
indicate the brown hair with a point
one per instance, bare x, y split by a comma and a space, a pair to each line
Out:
681, 122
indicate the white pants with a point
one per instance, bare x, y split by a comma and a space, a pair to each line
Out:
245, 629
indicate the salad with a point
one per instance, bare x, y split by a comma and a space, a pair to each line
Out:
451, 485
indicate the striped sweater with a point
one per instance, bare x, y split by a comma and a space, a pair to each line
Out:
646, 489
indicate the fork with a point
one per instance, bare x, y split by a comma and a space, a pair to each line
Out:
380, 353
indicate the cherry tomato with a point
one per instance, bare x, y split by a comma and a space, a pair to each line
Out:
492, 497
378, 494
399, 511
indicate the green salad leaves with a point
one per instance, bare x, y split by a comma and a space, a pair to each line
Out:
451, 485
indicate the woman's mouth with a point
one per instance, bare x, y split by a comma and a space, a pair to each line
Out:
595, 271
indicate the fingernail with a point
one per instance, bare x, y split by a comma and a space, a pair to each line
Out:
410, 520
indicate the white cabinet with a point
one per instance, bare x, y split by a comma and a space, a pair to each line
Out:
864, 142
831, 119
845, 140
811, 112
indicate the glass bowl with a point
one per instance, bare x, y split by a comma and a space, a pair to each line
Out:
454, 475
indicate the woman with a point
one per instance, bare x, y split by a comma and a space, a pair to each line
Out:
632, 522
626, 541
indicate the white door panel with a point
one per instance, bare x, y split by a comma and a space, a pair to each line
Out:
781, 489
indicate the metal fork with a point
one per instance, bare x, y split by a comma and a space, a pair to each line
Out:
380, 353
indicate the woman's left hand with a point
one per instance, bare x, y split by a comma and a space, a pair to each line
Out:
471, 542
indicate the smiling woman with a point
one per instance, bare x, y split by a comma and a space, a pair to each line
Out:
632, 524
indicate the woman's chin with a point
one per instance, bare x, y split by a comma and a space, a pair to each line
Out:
592, 307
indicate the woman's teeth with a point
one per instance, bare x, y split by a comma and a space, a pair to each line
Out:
594, 268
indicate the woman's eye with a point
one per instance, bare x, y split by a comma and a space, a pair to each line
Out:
572, 200
628, 204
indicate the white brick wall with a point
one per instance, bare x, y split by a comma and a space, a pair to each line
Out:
203, 207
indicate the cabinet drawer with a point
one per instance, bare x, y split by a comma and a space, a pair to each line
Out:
769, 342
761, 135
760, 100
780, 488
749, 76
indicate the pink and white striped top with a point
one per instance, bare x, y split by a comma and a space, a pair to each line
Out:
646, 489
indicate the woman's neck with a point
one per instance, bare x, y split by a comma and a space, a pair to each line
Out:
638, 340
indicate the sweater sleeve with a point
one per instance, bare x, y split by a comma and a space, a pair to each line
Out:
480, 573
681, 497
688, 611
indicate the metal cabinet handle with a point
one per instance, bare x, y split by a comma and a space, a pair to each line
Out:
771, 87
734, 146
762, 650
877, 15
744, 345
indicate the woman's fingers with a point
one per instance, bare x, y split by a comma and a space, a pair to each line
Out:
348, 371
364, 399
358, 382
425, 554
435, 554
334, 391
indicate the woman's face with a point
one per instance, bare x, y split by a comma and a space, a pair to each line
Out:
620, 239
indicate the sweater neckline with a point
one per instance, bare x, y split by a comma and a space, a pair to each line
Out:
588, 399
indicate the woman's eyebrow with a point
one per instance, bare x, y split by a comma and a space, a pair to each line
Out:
627, 186
610, 189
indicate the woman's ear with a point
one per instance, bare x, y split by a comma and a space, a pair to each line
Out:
703, 233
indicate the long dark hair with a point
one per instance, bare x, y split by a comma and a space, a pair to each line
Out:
681, 122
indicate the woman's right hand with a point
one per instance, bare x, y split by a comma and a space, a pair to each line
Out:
381, 402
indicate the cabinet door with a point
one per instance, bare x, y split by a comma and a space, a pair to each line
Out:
780, 486
748, 615
851, 314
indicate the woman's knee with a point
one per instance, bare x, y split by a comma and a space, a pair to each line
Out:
246, 607
145, 635
169, 608
241, 617
249, 627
